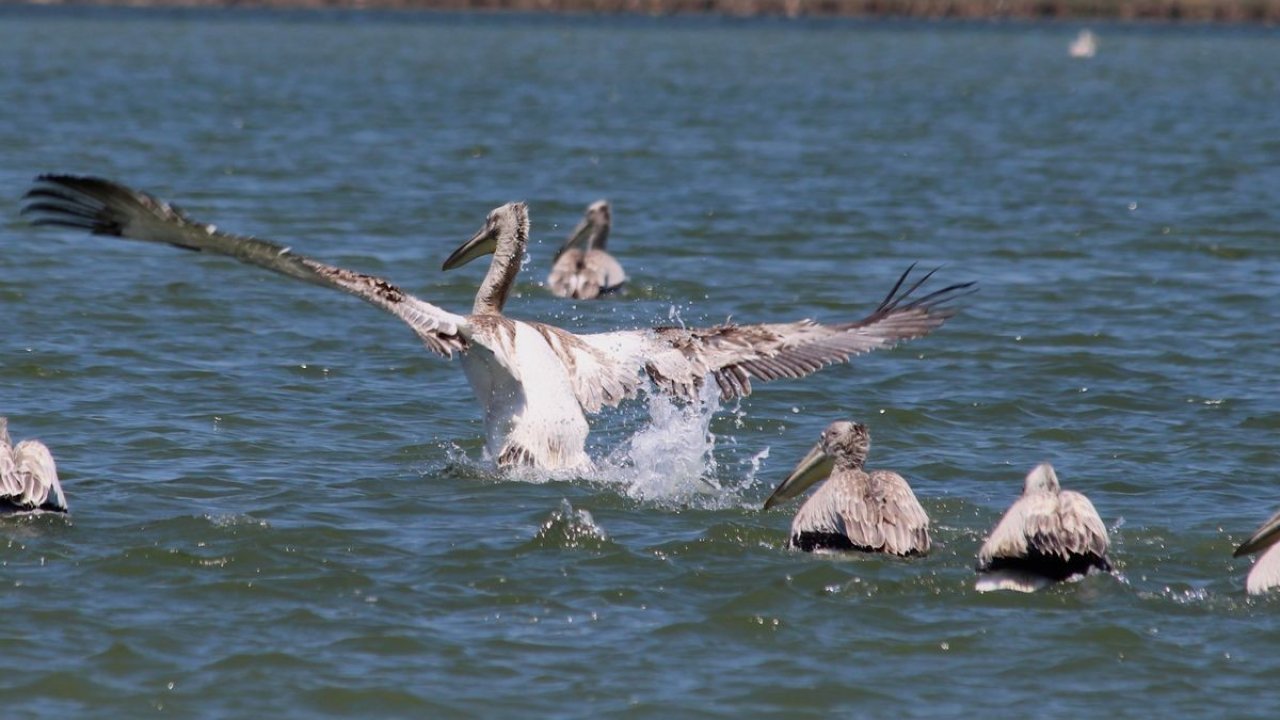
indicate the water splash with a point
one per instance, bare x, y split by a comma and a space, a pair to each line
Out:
568, 528
231, 520
670, 458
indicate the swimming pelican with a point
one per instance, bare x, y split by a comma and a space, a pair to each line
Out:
1084, 46
534, 381
1047, 535
582, 270
854, 509
28, 477
1266, 571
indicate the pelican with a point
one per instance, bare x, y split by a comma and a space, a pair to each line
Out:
1266, 571
1084, 46
533, 380
1047, 535
854, 509
28, 477
582, 270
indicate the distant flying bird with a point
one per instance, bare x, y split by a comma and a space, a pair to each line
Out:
534, 381
855, 509
582, 269
1084, 46
1047, 535
28, 477
1265, 574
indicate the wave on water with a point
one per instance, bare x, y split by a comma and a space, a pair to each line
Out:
569, 528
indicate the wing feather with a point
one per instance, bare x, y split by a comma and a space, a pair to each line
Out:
819, 514
1080, 529
881, 513
106, 208
678, 360
10, 481
601, 368
903, 520
1012, 535
41, 489
1265, 573
1063, 525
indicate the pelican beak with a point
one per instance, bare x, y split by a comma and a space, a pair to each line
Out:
815, 466
1265, 537
482, 243
580, 234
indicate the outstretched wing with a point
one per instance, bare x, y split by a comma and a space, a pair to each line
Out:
679, 359
107, 208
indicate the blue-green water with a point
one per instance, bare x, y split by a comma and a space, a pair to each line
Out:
279, 503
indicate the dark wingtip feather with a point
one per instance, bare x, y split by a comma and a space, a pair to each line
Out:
894, 300
71, 201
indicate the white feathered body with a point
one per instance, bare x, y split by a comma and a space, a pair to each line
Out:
531, 413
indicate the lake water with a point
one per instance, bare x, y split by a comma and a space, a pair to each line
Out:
280, 506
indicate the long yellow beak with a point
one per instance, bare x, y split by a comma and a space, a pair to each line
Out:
815, 466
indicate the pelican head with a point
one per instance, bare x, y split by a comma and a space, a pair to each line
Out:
592, 231
505, 232
843, 444
1041, 479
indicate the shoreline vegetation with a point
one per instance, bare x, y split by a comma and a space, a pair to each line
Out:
1223, 11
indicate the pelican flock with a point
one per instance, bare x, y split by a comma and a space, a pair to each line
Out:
582, 270
855, 509
1265, 574
28, 476
1047, 535
534, 381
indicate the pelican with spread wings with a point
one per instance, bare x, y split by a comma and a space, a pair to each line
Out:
535, 382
